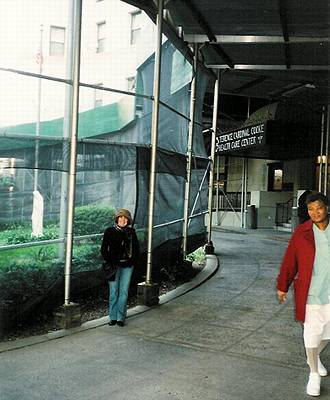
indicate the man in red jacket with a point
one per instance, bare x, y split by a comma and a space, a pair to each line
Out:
306, 263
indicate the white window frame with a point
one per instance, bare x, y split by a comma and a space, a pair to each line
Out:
56, 42
101, 36
135, 30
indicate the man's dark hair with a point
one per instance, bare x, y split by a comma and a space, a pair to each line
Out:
317, 196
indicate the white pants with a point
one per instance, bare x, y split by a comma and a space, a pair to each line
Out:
317, 324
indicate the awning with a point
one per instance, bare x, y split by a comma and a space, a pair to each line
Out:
277, 131
267, 49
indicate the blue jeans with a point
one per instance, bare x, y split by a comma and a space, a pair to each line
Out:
118, 294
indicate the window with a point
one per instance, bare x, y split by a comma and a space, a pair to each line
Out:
131, 84
98, 96
57, 41
101, 37
135, 26
275, 177
278, 177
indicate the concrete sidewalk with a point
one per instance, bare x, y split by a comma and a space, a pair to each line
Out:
228, 339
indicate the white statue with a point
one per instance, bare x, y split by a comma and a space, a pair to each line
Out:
37, 214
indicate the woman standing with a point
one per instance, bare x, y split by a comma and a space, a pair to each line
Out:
307, 264
120, 247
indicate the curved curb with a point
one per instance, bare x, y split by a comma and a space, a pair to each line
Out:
211, 267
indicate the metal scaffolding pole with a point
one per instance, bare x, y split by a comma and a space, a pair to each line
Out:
189, 154
242, 192
36, 151
325, 189
214, 131
66, 130
218, 178
38, 202
73, 147
246, 170
321, 150
154, 138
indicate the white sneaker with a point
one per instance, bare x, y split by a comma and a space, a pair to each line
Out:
321, 368
314, 384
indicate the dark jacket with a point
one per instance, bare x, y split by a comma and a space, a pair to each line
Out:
297, 266
120, 246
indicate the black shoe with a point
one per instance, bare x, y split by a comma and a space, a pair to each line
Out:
120, 323
112, 322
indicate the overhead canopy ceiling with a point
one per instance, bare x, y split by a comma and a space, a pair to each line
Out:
264, 48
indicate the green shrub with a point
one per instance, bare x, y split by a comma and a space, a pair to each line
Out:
87, 220
198, 255
33, 278
24, 285
22, 234
92, 219
86, 258
17, 235
35, 282
44, 254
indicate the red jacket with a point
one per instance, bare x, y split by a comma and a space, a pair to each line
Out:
297, 266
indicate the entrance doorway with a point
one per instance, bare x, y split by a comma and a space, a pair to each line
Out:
275, 177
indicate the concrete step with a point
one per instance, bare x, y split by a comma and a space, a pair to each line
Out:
283, 228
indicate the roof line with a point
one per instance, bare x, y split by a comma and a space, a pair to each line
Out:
251, 39
278, 67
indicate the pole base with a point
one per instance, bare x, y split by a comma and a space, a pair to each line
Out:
68, 316
148, 294
209, 248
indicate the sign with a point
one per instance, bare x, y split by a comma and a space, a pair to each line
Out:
241, 139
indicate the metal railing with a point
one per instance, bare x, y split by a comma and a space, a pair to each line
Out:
283, 212
230, 200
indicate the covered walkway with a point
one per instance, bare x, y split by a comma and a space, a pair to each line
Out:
228, 339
